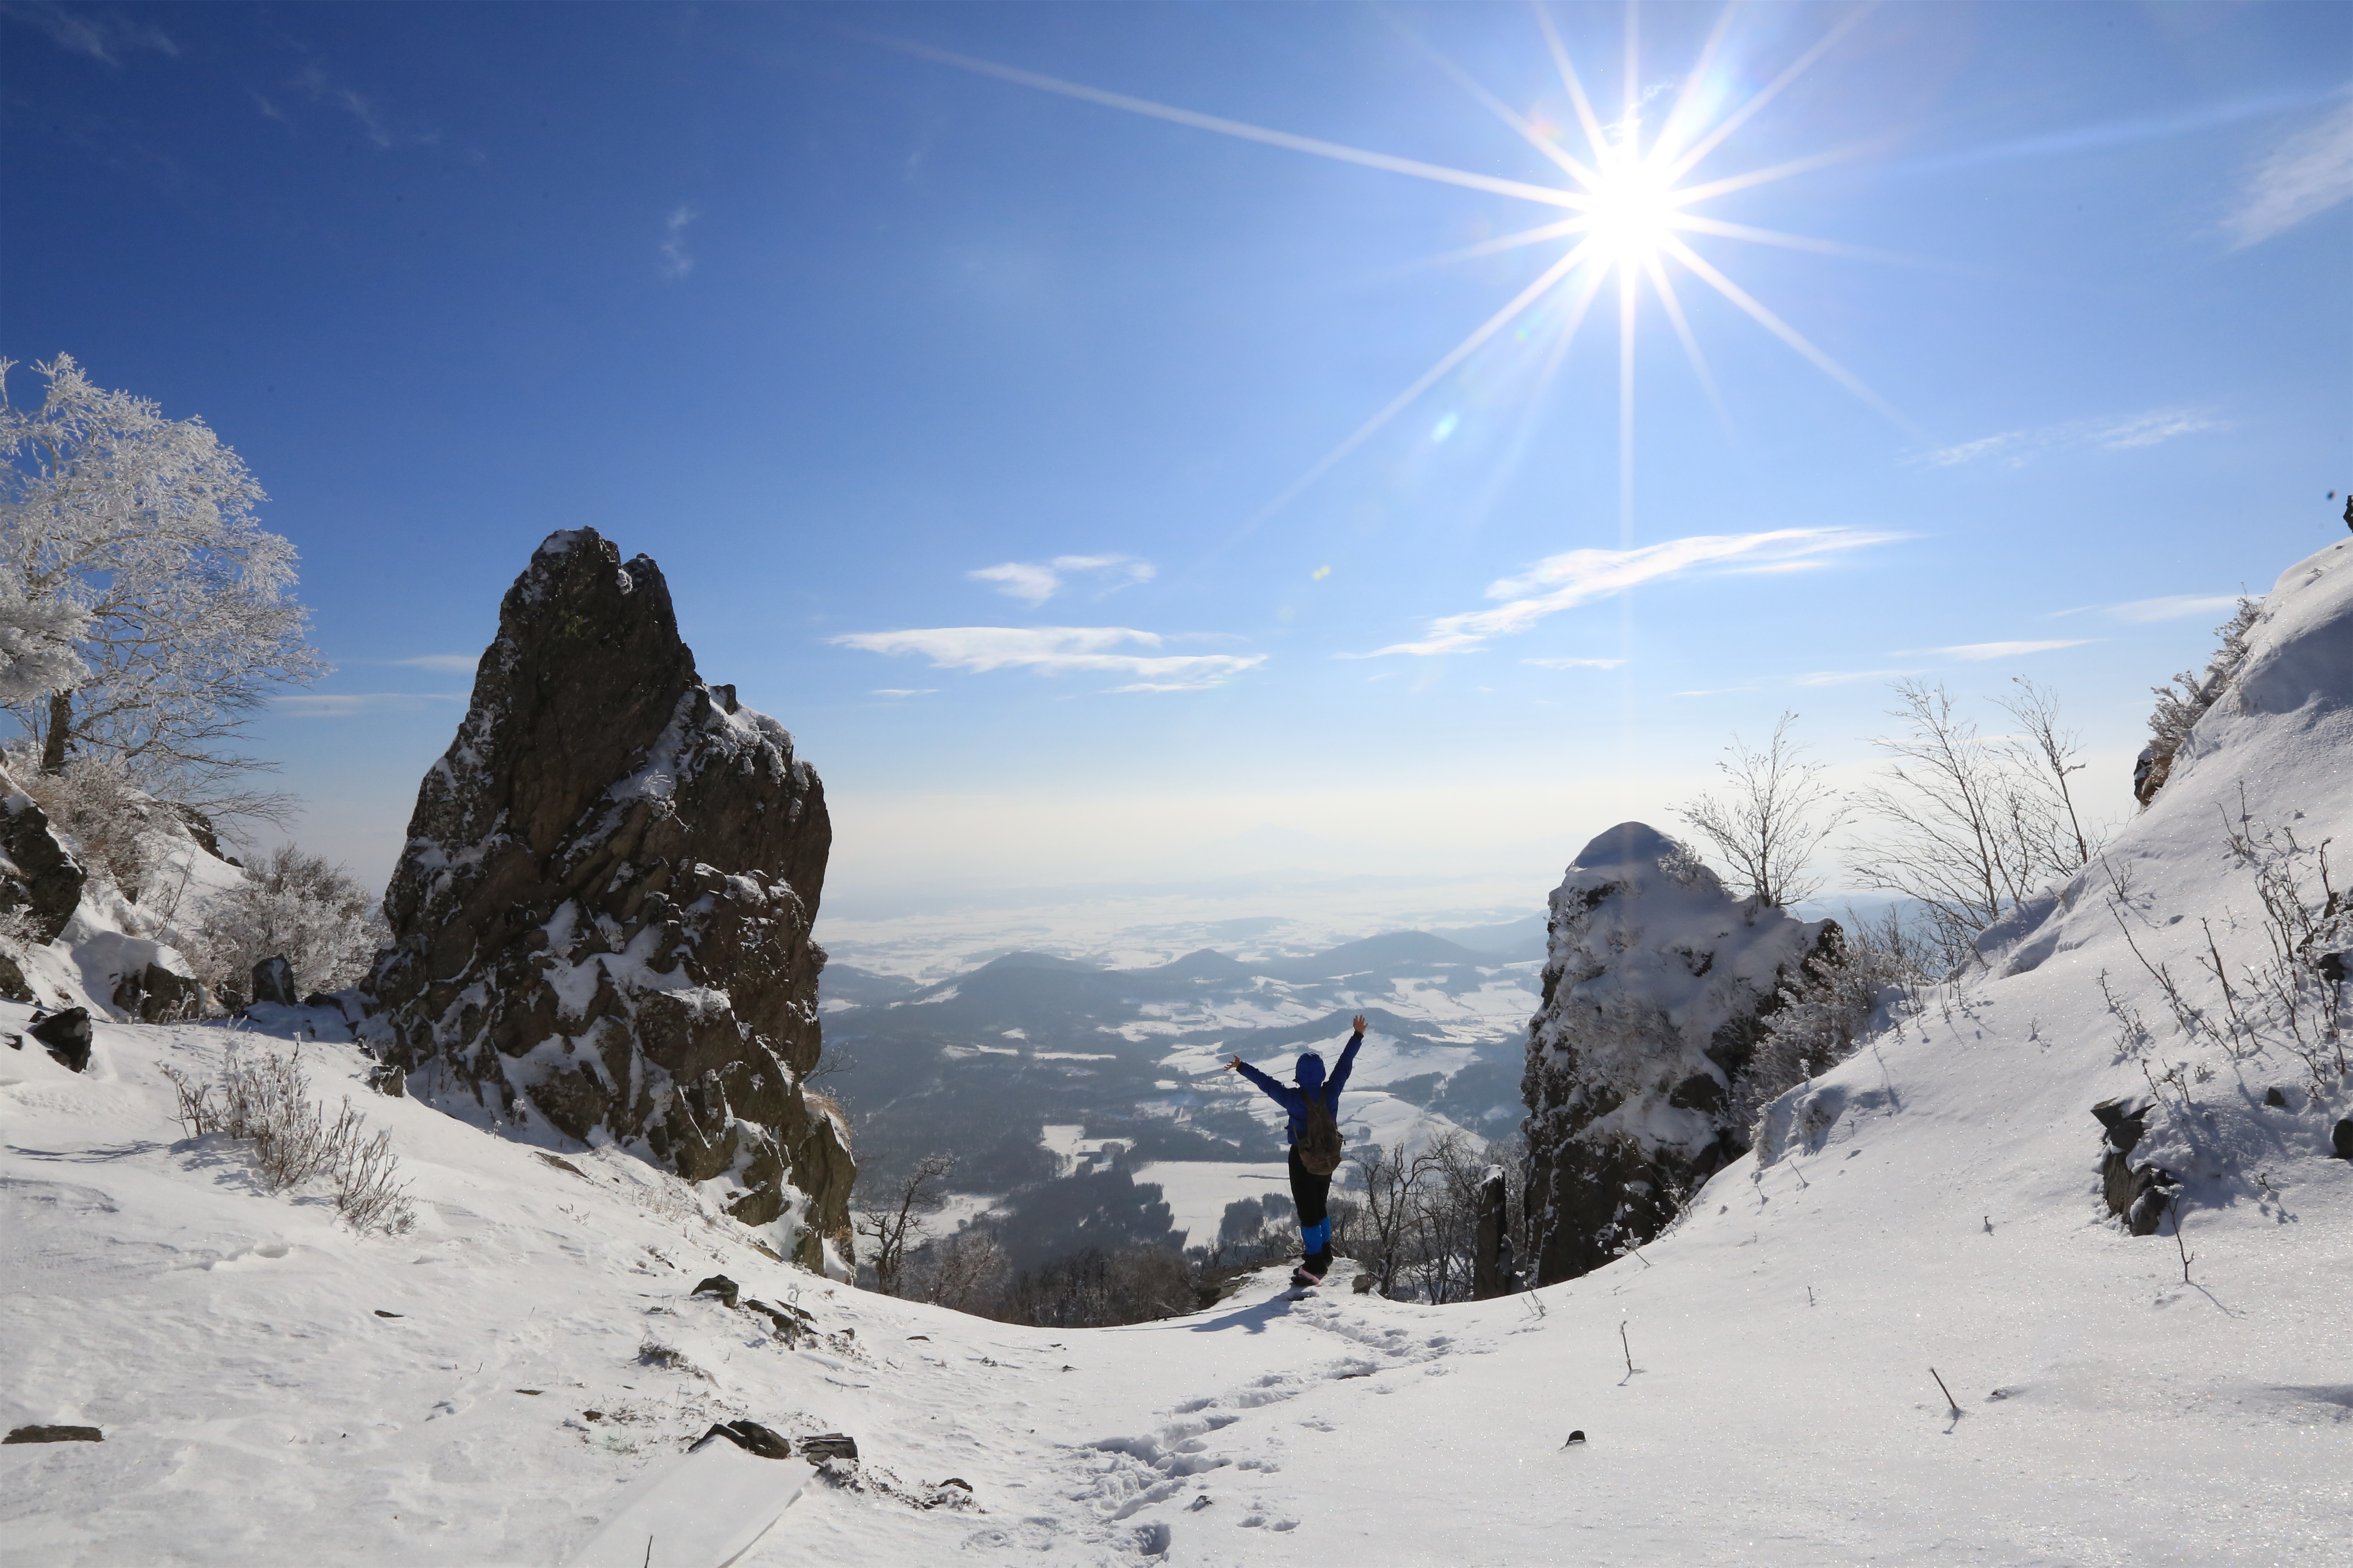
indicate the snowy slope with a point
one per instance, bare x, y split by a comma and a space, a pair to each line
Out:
1942, 1211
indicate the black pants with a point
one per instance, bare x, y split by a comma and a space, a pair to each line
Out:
1310, 1192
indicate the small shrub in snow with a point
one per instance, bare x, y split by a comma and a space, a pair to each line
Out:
2184, 699
1825, 1013
264, 1098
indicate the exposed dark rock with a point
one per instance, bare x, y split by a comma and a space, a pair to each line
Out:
382, 1313
2139, 1194
1490, 1268
957, 1481
66, 1036
603, 911
37, 874
2274, 1098
2154, 1191
2340, 1139
1657, 984
790, 1322
750, 1436
829, 1446
389, 1079
54, 1434
273, 980
720, 1286
156, 995
560, 1164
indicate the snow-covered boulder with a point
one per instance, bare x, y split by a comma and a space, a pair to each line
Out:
1656, 983
602, 915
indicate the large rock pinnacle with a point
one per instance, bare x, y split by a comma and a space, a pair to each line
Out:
603, 913
1657, 983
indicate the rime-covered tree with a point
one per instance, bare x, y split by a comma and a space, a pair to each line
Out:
144, 612
301, 908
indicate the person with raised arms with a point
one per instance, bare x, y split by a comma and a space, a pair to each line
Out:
1312, 1101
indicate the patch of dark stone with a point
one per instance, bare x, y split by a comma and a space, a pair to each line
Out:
382, 1313
748, 1435
790, 1322
66, 1036
560, 1164
60, 1434
829, 1446
2340, 1139
2140, 1194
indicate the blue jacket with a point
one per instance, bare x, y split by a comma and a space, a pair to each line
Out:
1310, 1073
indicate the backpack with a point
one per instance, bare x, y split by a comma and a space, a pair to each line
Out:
1319, 1143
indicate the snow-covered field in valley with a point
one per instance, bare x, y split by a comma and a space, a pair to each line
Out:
489, 1387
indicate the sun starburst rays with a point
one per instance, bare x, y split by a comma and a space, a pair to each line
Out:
1628, 213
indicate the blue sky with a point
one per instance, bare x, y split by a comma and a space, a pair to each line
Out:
967, 414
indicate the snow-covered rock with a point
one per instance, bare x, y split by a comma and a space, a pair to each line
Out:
602, 914
1655, 988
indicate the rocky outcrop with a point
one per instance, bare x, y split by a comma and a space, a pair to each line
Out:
2138, 1195
602, 915
1657, 984
40, 882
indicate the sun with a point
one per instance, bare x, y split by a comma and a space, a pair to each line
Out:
1629, 214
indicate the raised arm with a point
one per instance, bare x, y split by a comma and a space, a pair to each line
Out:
1283, 1094
1339, 1078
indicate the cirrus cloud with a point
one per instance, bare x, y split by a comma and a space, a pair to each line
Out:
1058, 650
1978, 652
1035, 581
2304, 177
1576, 577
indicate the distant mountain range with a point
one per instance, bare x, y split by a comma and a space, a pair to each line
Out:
978, 1064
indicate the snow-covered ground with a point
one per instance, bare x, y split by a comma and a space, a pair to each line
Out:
1940, 1209
1197, 1191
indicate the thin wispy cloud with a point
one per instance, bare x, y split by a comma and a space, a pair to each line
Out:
1849, 676
1034, 581
2016, 449
462, 663
1061, 651
100, 36
1577, 577
676, 261
2171, 607
350, 704
2306, 175
904, 691
1978, 652
1578, 663
314, 82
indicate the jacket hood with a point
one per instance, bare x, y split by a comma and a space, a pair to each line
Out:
1310, 1076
